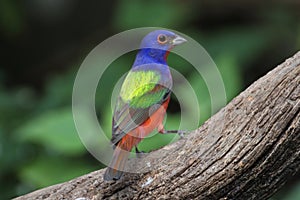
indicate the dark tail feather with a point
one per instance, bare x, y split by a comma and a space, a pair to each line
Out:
116, 167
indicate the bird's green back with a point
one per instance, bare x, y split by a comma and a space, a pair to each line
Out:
137, 87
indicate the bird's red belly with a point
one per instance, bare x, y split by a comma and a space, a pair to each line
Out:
132, 138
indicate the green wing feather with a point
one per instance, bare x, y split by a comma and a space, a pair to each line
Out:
138, 84
140, 96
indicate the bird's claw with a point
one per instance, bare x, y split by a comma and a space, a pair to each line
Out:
182, 133
139, 154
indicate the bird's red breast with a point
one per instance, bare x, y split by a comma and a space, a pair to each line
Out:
132, 138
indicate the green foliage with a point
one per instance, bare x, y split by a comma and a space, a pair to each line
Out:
38, 139
136, 13
54, 130
291, 192
48, 170
231, 74
294, 194
10, 17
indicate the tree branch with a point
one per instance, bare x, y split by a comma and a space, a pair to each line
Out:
247, 150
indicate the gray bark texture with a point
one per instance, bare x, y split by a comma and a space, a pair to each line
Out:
248, 150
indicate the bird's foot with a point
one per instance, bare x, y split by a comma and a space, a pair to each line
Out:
181, 133
139, 154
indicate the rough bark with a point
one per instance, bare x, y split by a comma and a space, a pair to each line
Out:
248, 150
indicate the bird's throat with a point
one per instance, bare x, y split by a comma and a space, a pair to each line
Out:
147, 56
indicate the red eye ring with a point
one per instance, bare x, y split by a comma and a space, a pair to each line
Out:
162, 39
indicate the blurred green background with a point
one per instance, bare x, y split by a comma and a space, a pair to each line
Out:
43, 43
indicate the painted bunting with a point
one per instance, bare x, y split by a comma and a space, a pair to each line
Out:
143, 99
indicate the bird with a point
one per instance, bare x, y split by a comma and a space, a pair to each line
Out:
143, 99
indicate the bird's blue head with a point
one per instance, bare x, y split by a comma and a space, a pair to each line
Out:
156, 46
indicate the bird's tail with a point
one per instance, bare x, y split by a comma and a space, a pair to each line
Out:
116, 167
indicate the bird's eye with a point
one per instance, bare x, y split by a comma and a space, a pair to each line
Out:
161, 39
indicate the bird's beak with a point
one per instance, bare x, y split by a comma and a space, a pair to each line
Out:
178, 40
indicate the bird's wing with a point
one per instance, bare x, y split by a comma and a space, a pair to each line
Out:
142, 93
